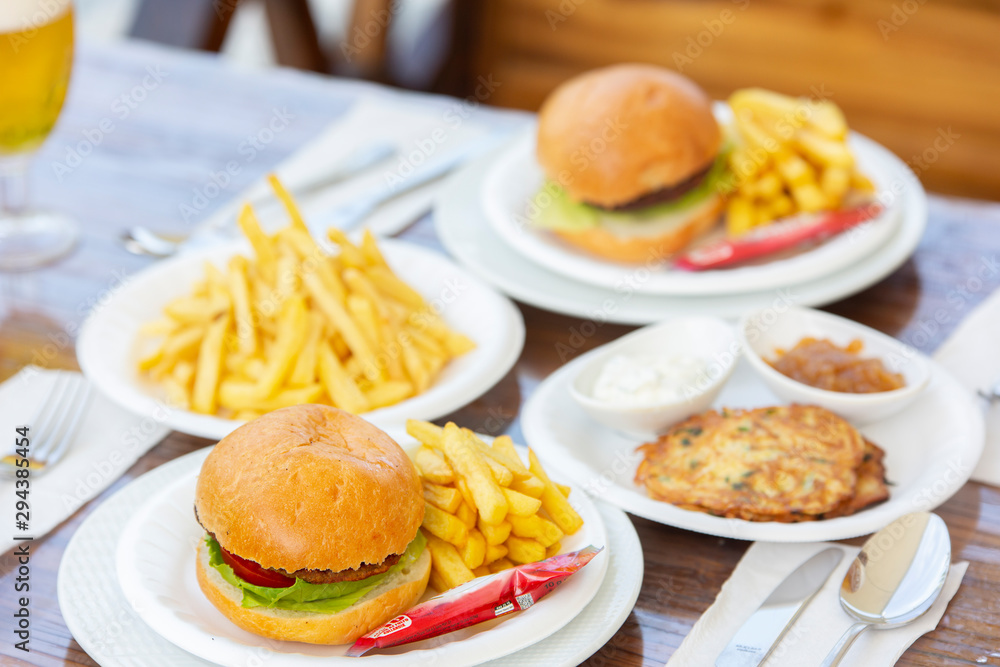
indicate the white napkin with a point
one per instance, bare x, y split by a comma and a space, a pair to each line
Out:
422, 130
817, 630
972, 354
108, 441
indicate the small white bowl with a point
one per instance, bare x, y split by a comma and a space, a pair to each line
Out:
708, 338
762, 333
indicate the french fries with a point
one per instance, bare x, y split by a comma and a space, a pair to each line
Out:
554, 501
445, 526
432, 466
499, 565
524, 550
791, 156
521, 505
445, 497
467, 462
485, 510
474, 552
537, 528
449, 569
290, 323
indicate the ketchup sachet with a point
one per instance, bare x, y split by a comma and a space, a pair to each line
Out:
478, 601
776, 237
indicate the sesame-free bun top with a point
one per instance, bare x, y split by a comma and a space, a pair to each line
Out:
310, 487
612, 135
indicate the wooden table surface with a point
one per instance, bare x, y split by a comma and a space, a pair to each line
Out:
153, 153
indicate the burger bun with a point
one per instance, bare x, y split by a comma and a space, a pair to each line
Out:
310, 487
615, 134
636, 243
615, 137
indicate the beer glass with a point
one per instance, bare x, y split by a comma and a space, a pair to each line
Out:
36, 57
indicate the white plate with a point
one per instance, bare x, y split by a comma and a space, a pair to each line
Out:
516, 177
156, 569
462, 227
931, 449
103, 623
109, 342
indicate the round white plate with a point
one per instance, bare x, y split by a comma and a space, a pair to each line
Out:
103, 623
931, 449
156, 569
516, 177
462, 227
109, 342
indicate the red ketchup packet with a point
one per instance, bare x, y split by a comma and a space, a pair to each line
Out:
775, 237
478, 601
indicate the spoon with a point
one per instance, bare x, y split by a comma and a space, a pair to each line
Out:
896, 577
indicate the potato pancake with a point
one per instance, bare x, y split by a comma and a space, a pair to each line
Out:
788, 463
871, 490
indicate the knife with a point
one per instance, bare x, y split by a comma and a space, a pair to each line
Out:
363, 203
762, 632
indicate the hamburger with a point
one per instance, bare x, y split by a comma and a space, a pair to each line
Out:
632, 158
311, 517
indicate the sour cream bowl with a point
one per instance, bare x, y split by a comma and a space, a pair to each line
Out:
652, 378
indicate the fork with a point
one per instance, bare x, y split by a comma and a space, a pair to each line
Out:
991, 395
140, 240
55, 425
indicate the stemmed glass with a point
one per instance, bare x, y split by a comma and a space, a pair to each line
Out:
36, 58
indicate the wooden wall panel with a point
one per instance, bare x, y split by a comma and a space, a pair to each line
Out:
940, 69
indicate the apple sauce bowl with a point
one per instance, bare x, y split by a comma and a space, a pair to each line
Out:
765, 332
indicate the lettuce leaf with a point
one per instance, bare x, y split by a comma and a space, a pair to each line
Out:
552, 207
303, 596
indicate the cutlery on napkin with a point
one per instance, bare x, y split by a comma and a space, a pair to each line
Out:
764, 566
108, 440
972, 355
421, 133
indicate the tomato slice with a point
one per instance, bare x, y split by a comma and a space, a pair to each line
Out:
252, 573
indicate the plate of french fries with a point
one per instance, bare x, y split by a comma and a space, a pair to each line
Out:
785, 157
208, 340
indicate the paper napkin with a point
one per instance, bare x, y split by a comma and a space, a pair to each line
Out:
421, 129
972, 354
108, 441
763, 567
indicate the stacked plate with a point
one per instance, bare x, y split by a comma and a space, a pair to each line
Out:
480, 213
144, 539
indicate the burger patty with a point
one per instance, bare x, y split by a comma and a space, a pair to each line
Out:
363, 571
330, 577
662, 195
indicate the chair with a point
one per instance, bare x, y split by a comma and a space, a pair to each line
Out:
202, 24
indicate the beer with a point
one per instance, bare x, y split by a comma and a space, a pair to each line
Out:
36, 57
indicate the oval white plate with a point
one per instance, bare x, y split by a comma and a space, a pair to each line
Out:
108, 346
515, 177
460, 222
156, 570
931, 449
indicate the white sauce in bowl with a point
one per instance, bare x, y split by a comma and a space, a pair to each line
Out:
647, 380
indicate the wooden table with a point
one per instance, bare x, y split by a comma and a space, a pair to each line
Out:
196, 112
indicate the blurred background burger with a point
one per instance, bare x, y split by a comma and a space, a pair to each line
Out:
632, 159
